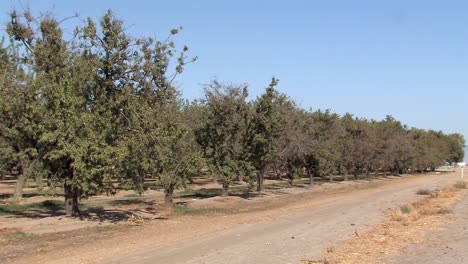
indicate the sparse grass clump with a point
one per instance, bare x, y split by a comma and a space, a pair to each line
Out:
17, 235
445, 210
398, 216
404, 214
425, 207
405, 209
435, 194
186, 210
320, 261
461, 185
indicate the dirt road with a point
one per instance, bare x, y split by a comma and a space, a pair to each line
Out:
298, 234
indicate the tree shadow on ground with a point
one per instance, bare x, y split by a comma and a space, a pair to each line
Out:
9, 183
201, 193
300, 185
276, 186
5, 196
104, 215
44, 209
202, 180
50, 208
249, 195
124, 202
90, 214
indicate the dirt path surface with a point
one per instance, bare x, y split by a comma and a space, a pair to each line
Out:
279, 226
446, 246
295, 233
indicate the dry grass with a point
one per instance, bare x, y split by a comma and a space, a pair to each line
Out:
461, 185
321, 261
401, 228
445, 211
424, 192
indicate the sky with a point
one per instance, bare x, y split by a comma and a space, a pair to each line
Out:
408, 59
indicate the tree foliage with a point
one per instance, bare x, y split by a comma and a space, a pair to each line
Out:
100, 112
264, 129
223, 130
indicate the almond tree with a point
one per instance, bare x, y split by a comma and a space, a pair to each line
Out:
97, 91
326, 134
350, 127
60, 76
20, 104
292, 145
222, 133
138, 108
264, 129
457, 143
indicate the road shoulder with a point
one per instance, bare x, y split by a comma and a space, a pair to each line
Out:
445, 246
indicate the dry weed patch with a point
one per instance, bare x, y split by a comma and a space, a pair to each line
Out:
424, 192
461, 185
401, 227
321, 261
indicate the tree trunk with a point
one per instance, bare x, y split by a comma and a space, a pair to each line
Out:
18, 192
331, 177
76, 199
311, 179
23, 176
190, 180
168, 194
346, 177
239, 177
277, 172
225, 192
260, 176
71, 195
68, 201
71, 201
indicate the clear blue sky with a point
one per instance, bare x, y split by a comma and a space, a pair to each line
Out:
371, 58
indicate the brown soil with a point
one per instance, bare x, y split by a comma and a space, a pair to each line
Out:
402, 228
55, 239
446, 244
